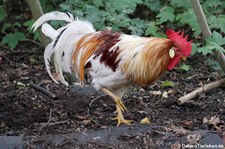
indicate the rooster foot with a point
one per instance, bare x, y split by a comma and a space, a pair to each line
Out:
120, 117
119, 103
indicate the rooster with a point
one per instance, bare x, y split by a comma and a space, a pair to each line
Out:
114, 61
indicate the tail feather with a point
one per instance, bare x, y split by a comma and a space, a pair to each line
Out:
76, 30
55, 15
49, 31
63, 42
47, 58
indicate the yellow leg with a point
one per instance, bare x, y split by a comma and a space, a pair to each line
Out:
120, 107
116, 99
120, 117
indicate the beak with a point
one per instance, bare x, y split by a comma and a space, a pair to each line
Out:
183, 58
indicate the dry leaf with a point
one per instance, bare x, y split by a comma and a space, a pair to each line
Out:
156, 92
186, 122
2, 125
176, 145
145, 121
165, 94
81, 117
86, 121
214, 120
205, 120
194, 138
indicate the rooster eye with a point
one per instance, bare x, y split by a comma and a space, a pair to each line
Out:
171, 53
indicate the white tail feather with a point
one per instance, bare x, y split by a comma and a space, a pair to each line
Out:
63, 42
47, 58
76, 30
55, 15
49, 31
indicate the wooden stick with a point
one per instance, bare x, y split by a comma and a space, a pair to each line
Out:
200, 90
44, 91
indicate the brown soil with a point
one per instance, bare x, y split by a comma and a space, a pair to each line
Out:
25, 110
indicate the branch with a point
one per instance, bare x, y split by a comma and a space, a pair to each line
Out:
46, 124
42, 90
37, 11
200, 90
206, 31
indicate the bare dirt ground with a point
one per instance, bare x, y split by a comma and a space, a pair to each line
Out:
31, 114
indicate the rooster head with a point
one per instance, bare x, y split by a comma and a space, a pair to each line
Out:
181, 49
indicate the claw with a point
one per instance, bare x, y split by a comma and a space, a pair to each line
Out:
120, 117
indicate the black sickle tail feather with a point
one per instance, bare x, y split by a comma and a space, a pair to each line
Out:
57, 38
68, 15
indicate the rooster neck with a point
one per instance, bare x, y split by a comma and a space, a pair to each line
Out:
147, 62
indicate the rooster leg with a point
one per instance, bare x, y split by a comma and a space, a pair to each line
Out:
120, 117
120, 107
116, 99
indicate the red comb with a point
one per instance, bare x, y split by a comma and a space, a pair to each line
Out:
180, 41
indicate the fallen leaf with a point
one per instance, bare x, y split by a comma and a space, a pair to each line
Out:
86, 121
176, 145
165, 94
145, 121
186, 122
156, 92
214, 120
194, 138
205, 120
3, 125
142, 90
142, 112
81, 117
167, 84
20, 84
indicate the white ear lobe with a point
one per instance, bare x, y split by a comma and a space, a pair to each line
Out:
171, 53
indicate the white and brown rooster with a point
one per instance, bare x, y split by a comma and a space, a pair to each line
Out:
113, 60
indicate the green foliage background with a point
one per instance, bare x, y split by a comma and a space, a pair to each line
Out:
137, 17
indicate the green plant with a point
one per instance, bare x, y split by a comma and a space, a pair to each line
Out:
13, 32
185, 67
137, 17
12, 39
2, 13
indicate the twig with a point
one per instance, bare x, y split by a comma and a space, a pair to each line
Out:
28, 53
46, 124
5, 47
42, 90
96, 99
164, 138
89, 105
200, 90
53, 123
6, 58
35, 42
